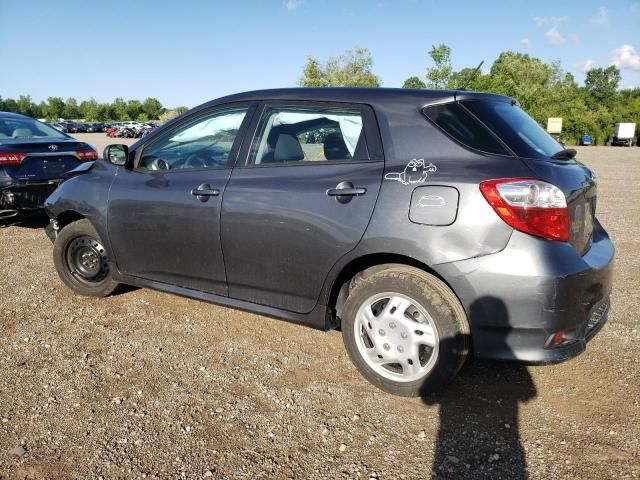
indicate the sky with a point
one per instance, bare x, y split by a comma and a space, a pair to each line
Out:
188, 52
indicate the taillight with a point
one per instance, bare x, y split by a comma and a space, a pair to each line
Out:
531, 206
12, 158
87, 154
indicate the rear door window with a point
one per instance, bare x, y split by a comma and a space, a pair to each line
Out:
301, 134
459, 124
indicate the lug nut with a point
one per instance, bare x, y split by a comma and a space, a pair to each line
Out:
392, 325
386, 346
400, 348
404, 335
381, 332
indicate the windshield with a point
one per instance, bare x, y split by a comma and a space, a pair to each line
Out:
15, 127
517, 129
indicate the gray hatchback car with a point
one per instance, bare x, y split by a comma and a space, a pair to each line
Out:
424, 224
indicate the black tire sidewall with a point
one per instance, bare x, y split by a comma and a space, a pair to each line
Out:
444, 309
69, 233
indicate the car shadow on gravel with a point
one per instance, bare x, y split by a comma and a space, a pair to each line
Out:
479, 433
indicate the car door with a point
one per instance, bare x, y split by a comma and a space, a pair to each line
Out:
164, 213
300, 198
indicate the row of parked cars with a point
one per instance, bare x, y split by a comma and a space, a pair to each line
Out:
68, 126
428, 225
624, 136
78, 127
130, 130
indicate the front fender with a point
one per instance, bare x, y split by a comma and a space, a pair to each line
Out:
85, 194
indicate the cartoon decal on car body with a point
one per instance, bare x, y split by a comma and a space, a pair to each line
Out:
415, 172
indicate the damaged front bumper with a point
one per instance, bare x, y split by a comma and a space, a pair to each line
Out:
19, 197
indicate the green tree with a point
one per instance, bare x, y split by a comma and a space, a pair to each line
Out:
438, 75
104, 112
134, 108
528, 79
89, 110
71, 109
602, 85
26, 106
351, 69
468, 79
119, 107
414, 82
171, 114
54, 109
152, 108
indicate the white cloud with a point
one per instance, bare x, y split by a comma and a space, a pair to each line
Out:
542, 21
586, 65
293, 4
526, 43
573, 38
554, 36
625, 58
600, 18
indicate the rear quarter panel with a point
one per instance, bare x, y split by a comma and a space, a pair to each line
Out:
477, 230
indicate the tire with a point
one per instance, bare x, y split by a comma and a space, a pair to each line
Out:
397, 312
81, 260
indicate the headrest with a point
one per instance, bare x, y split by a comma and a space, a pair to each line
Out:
335, 148
287, 149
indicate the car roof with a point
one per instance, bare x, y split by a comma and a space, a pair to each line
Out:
13, 115
372, 96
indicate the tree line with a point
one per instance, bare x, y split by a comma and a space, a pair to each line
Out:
543, 89
55, 108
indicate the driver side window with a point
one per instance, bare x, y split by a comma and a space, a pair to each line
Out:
205, 142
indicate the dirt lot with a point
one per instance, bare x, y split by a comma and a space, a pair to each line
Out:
145, 384
100, 140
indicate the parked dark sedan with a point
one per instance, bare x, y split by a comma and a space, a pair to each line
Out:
33, 159
425, 224
94, 127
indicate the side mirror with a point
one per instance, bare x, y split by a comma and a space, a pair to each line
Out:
116, 154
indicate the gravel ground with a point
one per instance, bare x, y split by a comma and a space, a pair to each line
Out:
145, 384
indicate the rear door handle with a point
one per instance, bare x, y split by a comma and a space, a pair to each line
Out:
204, 191
344, 191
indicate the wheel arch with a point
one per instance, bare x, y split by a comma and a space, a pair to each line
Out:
68, 216
340, 286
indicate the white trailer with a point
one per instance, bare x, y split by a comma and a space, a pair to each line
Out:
624, 134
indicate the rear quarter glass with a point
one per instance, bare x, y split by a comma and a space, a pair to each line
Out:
459, 124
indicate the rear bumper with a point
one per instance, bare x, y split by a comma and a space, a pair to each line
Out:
519, 298
26, 196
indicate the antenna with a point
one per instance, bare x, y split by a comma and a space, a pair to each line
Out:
472, 76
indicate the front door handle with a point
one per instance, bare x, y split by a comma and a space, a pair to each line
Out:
204, 191
344, 191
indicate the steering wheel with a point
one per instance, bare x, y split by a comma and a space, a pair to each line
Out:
196, 160
158, 164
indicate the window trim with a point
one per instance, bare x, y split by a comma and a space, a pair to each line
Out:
509, 154
233, 153
370, 129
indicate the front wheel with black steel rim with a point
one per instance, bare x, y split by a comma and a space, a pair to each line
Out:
404, 329
82, 260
